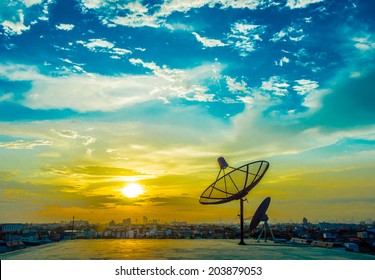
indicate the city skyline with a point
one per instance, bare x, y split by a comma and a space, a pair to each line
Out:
114, 109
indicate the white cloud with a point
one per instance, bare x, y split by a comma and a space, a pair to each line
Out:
364, 43
85, 93
163, 72
210, 43
172, 6
236, 86
21, 144
29, 3
279, 36
313, 100
73, 67
292, 33
169, 7
244, 28
14, 14
305, 86
15, 28
355, 74
66, 133
66, 27
19, 72
247, 100
67, 60
241, 4
93, 4
282, 61
183, 83
87, 140
5, 97
95, 44
120, 51
298, 4
244, 37
276, 85
102, 45
135, 20
136, 8
139, 15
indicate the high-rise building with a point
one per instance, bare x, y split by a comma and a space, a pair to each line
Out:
127, 222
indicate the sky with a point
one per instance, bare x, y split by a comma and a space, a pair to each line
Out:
97, 95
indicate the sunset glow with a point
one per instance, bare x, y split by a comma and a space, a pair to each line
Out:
119, 109
132, 190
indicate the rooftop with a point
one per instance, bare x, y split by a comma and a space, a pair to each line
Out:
153, 249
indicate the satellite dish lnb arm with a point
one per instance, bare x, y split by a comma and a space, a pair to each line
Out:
222, 162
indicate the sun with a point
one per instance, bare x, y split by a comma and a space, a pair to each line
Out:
132, 190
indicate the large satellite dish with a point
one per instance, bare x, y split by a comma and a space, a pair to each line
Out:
234, 184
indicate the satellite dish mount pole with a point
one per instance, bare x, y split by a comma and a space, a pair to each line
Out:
242, 242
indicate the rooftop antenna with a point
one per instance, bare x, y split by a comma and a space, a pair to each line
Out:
71, 236
234, 184
261, 216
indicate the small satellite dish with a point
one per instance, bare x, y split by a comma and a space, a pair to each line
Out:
234, 184
261, 216
260, 213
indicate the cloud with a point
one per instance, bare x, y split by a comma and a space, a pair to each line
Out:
187, 84
163, 72
18, 72
169, 7
282, 61
66, 133
299, 4
97, 44
38, 200
14, 14
15, 27
181, 6
305, 86
87, 140
21, 144
364, 43
236, 86
66, 27
121, 51
138, 15
244, 37
102, 45
209, 43
277, 85
348, 103
93, 4
7, 175
6, 97
91, 171
244, 4
85, 93
29, 3
292, 33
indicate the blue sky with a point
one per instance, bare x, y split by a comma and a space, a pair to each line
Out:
155, 91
